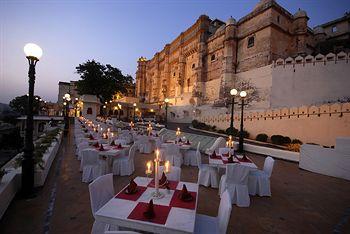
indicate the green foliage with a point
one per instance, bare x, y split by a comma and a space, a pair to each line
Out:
20, 104
40, 148
297, 141
280, 140
262, 137
232, 132
101, 80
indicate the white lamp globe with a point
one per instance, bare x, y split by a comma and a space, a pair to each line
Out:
134, 104
233, 92
33, 50
166, 100
67, 95
243, 94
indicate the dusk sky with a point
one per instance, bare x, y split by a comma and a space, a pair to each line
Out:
114, 32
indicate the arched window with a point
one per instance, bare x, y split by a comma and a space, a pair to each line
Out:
250, 41
193, 66
212, 57
89, 111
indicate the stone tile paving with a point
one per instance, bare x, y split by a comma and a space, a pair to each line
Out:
301, 202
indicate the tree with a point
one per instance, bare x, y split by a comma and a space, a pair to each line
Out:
20, 104
101, 80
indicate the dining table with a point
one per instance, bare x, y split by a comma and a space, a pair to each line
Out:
220, 161
172, 215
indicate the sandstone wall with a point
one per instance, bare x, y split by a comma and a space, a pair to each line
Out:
310, 124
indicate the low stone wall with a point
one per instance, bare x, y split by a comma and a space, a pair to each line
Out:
310, 124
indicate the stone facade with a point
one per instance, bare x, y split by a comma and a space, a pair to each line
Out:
202, 63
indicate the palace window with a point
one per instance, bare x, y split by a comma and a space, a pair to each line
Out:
334, 29
174, 74
278, 19
212, 57
250, 41
89, 111
188, 85
193, 66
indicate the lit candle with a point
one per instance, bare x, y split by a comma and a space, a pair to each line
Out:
108, 129
157, 154
149, 164
101, 129
167, 166
112, 134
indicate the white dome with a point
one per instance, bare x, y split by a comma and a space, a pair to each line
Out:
230, 21
300, 13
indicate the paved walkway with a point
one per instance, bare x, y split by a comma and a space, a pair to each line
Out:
301, 202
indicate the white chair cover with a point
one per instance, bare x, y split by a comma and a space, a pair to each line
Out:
125, 165
207, 176
172, 154
101, 191
259, 181
81, 146
235, 181
190, 157
220, 142
90, 165
145, 146
207, 224
174, 174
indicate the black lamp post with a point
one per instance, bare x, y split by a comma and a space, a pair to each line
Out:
33, 54
166, 111
233, 93
242, 94
134, 105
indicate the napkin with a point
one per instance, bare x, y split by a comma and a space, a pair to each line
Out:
149, 213
96, 130
180, 140
163, 180
188, 142
184, 194
213, 155
119, 146
96, 145
91, 137
101, 148
230, 159
157, 135
112, 143
85, 130
131, 187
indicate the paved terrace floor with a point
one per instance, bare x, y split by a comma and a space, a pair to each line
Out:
301, 202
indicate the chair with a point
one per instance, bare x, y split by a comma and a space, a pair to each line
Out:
259, 181
207, 224
81, 146
125, 165
207, 176
91, 166
190, 156
220, 142
101, 191
235, 181
172, 154
144, 144
174, 174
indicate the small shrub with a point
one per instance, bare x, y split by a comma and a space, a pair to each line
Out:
293, 147
297, 141
232, 132
277, 139
286, 140
221, 131
195, 123
261, 137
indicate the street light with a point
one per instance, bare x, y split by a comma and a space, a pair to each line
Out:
233, 93
134, 111
166, 100
33, 53
242, 94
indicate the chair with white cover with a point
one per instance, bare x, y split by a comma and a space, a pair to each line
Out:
218, 225
125, 165
220, 142
259, 180
145, 146
174, 174
81, 146
91, 166
235, 181
190, 157
207, 175
173, 155
101, 191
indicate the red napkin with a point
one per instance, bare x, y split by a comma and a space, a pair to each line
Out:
176, 202
91, 137
214, 156
172, 185
149, 213
163, 180
160, 217
133, 196
157, 135
230, 159
112, 143
180, 140
184, 195
244, 159
96, 130
119, 146
101, 148
96, 145
188, 142
131, 187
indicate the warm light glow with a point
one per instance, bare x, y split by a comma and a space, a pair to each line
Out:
104, 106
105, 102
33, 50
157, 154
110, 101
233, 92
76, 99
120, 106
148, 165
166, 100
137, 109
243, 94
152, 110
134, 104
167, 166
108, 129
64, 103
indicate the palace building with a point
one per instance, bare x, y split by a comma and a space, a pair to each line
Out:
212, 56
